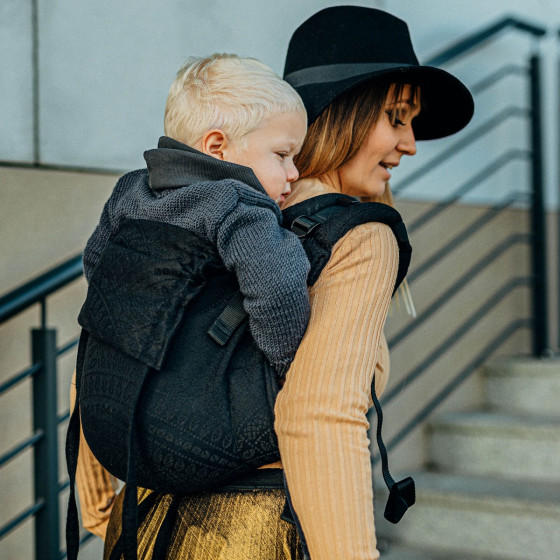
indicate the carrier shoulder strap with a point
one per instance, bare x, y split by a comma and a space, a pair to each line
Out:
71, 450
320, 222
336, 215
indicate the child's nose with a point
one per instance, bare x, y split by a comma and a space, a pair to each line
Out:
292, 174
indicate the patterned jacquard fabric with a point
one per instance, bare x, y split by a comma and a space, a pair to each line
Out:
232, 525
224, 204
194, 429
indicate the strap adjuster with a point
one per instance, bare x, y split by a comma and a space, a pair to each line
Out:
302, 226
402, 495
230, 318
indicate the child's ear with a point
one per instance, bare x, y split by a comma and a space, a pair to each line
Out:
214, 143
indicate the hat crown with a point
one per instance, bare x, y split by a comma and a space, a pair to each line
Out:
342, 47
349, 35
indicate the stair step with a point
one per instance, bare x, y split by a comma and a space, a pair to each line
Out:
396, 552
523, 385
496, 443
480, 516
400, 553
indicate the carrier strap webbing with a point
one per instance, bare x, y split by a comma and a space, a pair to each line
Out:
130, 500
228, 321
72, 447
144, 508
402, 494
303, 225
234, 314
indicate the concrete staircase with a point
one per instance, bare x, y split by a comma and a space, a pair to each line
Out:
493, 487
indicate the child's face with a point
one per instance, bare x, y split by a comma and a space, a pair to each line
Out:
269, 151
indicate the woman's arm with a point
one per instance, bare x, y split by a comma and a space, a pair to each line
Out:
321, 411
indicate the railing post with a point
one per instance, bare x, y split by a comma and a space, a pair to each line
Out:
538, 217
47, 539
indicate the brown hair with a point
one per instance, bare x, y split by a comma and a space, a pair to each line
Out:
337, 134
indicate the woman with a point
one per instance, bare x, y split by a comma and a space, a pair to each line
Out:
368, 100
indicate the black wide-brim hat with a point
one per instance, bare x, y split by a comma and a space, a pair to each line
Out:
341, 47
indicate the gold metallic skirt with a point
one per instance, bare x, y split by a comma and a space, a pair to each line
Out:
230, 524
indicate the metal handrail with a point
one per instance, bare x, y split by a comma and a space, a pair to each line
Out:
21, 517
457, 334
467, 140
21, 447
458, 193
19, 377
40, 287
464, 235
464, 46
509, 70
42, 372
463, 375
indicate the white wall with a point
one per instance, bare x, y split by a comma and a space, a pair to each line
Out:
16, 93
105, 68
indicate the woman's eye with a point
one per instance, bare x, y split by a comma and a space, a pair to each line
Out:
282, 154
395, 121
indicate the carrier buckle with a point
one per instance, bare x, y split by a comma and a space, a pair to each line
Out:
302, 226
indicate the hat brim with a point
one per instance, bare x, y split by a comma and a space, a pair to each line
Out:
447, 104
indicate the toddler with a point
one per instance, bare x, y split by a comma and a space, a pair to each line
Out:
232, 130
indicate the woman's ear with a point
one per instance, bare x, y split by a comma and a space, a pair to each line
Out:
214, 143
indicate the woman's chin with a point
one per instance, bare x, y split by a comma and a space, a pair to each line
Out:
374, 191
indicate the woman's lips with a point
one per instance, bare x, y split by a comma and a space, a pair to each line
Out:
387, 168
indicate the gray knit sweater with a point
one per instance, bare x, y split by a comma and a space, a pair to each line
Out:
225, 204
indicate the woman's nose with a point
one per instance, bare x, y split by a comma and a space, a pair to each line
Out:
407, 141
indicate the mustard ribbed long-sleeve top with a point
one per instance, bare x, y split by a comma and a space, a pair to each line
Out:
321, 410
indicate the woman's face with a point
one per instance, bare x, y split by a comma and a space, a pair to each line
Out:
391, 137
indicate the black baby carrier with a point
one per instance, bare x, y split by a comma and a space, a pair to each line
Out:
172, 392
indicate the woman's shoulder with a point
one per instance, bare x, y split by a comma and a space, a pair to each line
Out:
370, 238
363, 243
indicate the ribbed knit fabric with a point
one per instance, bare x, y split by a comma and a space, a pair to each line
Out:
239, 218
321, 411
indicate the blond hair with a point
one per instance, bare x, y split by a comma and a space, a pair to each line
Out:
228, 92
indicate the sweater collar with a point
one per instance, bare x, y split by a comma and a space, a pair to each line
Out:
173, 165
